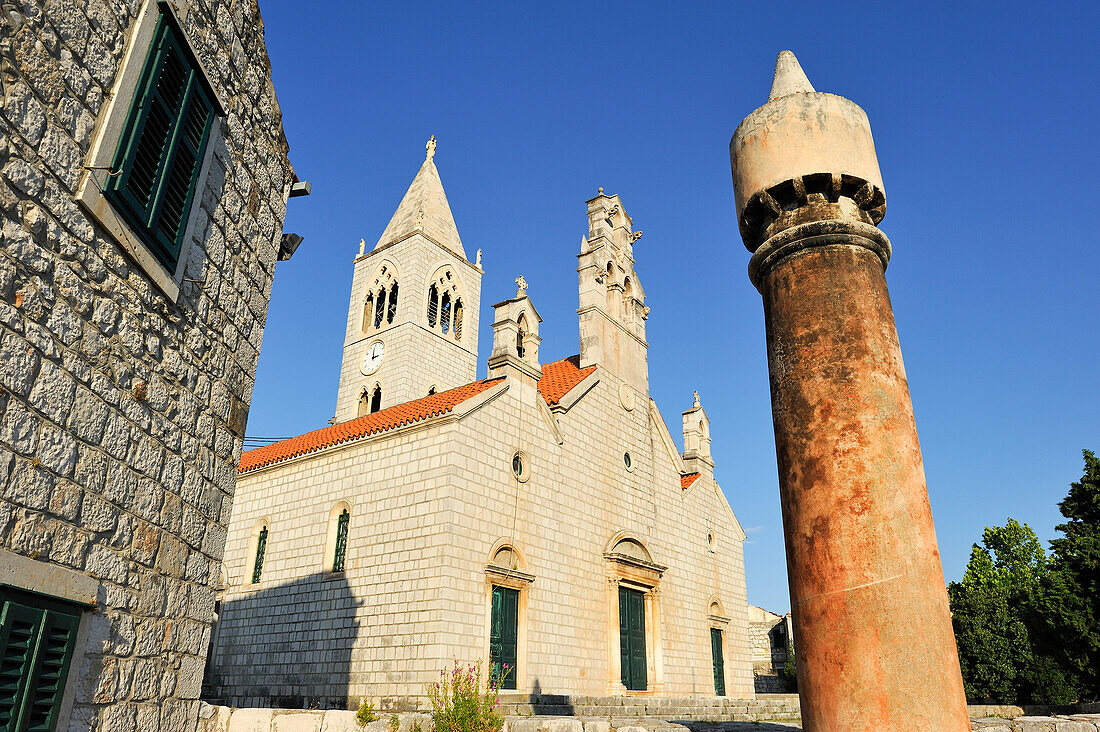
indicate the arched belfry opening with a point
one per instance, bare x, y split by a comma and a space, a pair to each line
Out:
521, 333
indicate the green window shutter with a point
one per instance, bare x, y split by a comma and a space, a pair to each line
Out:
632, 656
719, 663
504, 636
261, 549
161, 148
341, 541
37, 639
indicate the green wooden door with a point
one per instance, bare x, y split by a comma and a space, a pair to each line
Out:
504, 636
719, 664
632, 638
37, 636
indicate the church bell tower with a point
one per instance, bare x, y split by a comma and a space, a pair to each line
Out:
413, 317
612, 302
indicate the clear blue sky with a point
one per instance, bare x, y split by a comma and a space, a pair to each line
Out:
985, 120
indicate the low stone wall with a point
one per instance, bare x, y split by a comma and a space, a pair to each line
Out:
227, 719
703, 709
1030, 723
524, 713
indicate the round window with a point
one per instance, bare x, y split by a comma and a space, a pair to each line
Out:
520, 467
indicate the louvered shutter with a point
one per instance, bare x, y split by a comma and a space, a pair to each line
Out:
37, 639
161, 148
20, 627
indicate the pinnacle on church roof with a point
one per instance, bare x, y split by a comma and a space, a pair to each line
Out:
789, 77
424, 209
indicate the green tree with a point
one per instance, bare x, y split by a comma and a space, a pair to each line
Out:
989, 607
1068, 616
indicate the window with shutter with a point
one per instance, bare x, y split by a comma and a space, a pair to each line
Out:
341, 541
160, 152
261, 550
37, 640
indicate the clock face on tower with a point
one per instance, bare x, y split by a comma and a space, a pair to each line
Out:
372, 359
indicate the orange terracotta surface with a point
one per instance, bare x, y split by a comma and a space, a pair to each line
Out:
558, 378
872, 626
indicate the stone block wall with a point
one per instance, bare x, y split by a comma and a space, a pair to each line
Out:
428, 505
769, 634
123, 401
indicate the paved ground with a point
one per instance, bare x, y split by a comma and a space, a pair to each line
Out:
1056, 723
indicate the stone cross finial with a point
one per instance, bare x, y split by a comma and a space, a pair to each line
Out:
430, 147
696, 399
522, 285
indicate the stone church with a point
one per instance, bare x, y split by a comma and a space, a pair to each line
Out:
541, 519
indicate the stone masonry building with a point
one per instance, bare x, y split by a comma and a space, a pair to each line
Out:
541, 519
143, 185
769, 637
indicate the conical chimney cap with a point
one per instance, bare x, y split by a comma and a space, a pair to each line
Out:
789, 77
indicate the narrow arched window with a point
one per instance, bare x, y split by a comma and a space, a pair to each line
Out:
431, 390
433, 306
364, 404
376, 400
261, 549
368, 311
380, 308
341, 541
445, 313
391, 311
520, 335
458, 319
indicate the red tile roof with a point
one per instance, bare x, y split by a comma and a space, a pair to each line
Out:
380, 421
558, 378
687, 480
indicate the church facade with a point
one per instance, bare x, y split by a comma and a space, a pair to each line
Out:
541, 519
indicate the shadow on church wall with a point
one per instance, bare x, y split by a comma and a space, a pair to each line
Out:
286, 645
